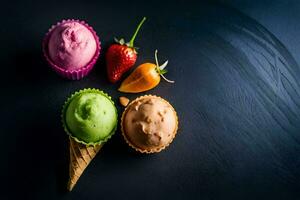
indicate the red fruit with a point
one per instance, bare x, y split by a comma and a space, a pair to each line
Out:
121, 57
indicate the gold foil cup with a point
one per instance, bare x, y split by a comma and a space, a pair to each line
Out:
130, 143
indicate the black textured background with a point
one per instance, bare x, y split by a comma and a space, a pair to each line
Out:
237, 94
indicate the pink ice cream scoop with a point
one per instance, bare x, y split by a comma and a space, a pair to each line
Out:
71, 46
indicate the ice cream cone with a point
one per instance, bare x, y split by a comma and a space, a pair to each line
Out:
90, 118
80, 157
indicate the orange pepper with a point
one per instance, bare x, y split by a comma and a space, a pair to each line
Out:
144, 77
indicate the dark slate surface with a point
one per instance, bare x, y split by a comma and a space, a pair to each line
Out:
237, 94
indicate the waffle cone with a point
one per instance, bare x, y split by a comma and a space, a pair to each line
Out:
80, 157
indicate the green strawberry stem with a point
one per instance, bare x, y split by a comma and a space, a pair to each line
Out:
160, 69
136, 32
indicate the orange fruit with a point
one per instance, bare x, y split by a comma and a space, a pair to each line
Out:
144, 77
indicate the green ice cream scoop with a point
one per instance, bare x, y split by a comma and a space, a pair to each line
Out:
90, 116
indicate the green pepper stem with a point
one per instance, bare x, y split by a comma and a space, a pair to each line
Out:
158, 69
136, 32
156, 61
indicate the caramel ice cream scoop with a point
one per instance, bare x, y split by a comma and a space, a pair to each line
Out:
149, 124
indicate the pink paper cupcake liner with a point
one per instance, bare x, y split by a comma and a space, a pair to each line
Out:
71, 74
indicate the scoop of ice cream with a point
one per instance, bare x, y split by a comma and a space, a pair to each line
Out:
150, 123
71, 45
91, 117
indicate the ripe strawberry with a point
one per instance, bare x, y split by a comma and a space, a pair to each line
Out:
121, 57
